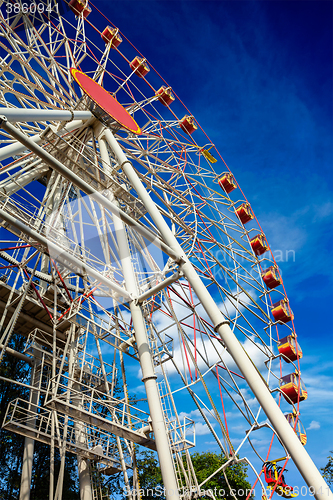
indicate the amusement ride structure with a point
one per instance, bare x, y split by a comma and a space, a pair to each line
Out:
137, 273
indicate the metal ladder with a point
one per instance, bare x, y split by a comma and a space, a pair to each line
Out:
177, 455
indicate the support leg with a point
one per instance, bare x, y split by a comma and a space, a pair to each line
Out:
29, 443
148, 373
258, 386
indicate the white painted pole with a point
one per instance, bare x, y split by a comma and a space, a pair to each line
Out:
146, 363
43, 115
29, 443
17, 148
84, 476
10, 187
81, 184
67, 259
26, 474
258, 386
83, 464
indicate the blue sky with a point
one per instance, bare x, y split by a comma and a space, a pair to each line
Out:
257, 75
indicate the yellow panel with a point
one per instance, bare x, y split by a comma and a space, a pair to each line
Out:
209, 156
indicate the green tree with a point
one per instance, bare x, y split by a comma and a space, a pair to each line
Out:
149, 472
328, 470
41, 474
12, 445
204, 465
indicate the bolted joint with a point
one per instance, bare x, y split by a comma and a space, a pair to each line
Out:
226, 322
3, 119
148, 428
124, 346
149, 377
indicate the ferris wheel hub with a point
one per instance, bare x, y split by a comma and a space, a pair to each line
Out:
103, 105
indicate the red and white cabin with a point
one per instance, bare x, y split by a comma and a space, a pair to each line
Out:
80, 7
111, 35
292, 388
227, 182
165, 95
271, 277
298, 427
289, 347
259, 244
187, 124
244, 213
281, 311
139, 66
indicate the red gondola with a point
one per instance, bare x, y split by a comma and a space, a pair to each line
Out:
298, 427
288, 346
165, 95
272, 473
244, 213
187, 124
258, 244
111, 35
227, 182
281, 311
269, 474
271, 277
139, 66
293, 388
80, 7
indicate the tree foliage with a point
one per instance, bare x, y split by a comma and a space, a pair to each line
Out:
149, 472
328, 470
204, 465
41, 474
12, 445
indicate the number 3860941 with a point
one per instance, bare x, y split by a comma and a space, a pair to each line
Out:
30, 7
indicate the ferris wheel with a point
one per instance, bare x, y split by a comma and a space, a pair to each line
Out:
133, 264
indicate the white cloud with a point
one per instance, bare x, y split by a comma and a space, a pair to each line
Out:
238, 428
201, 429
196, 414
319, 387
314, 426
209, 350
